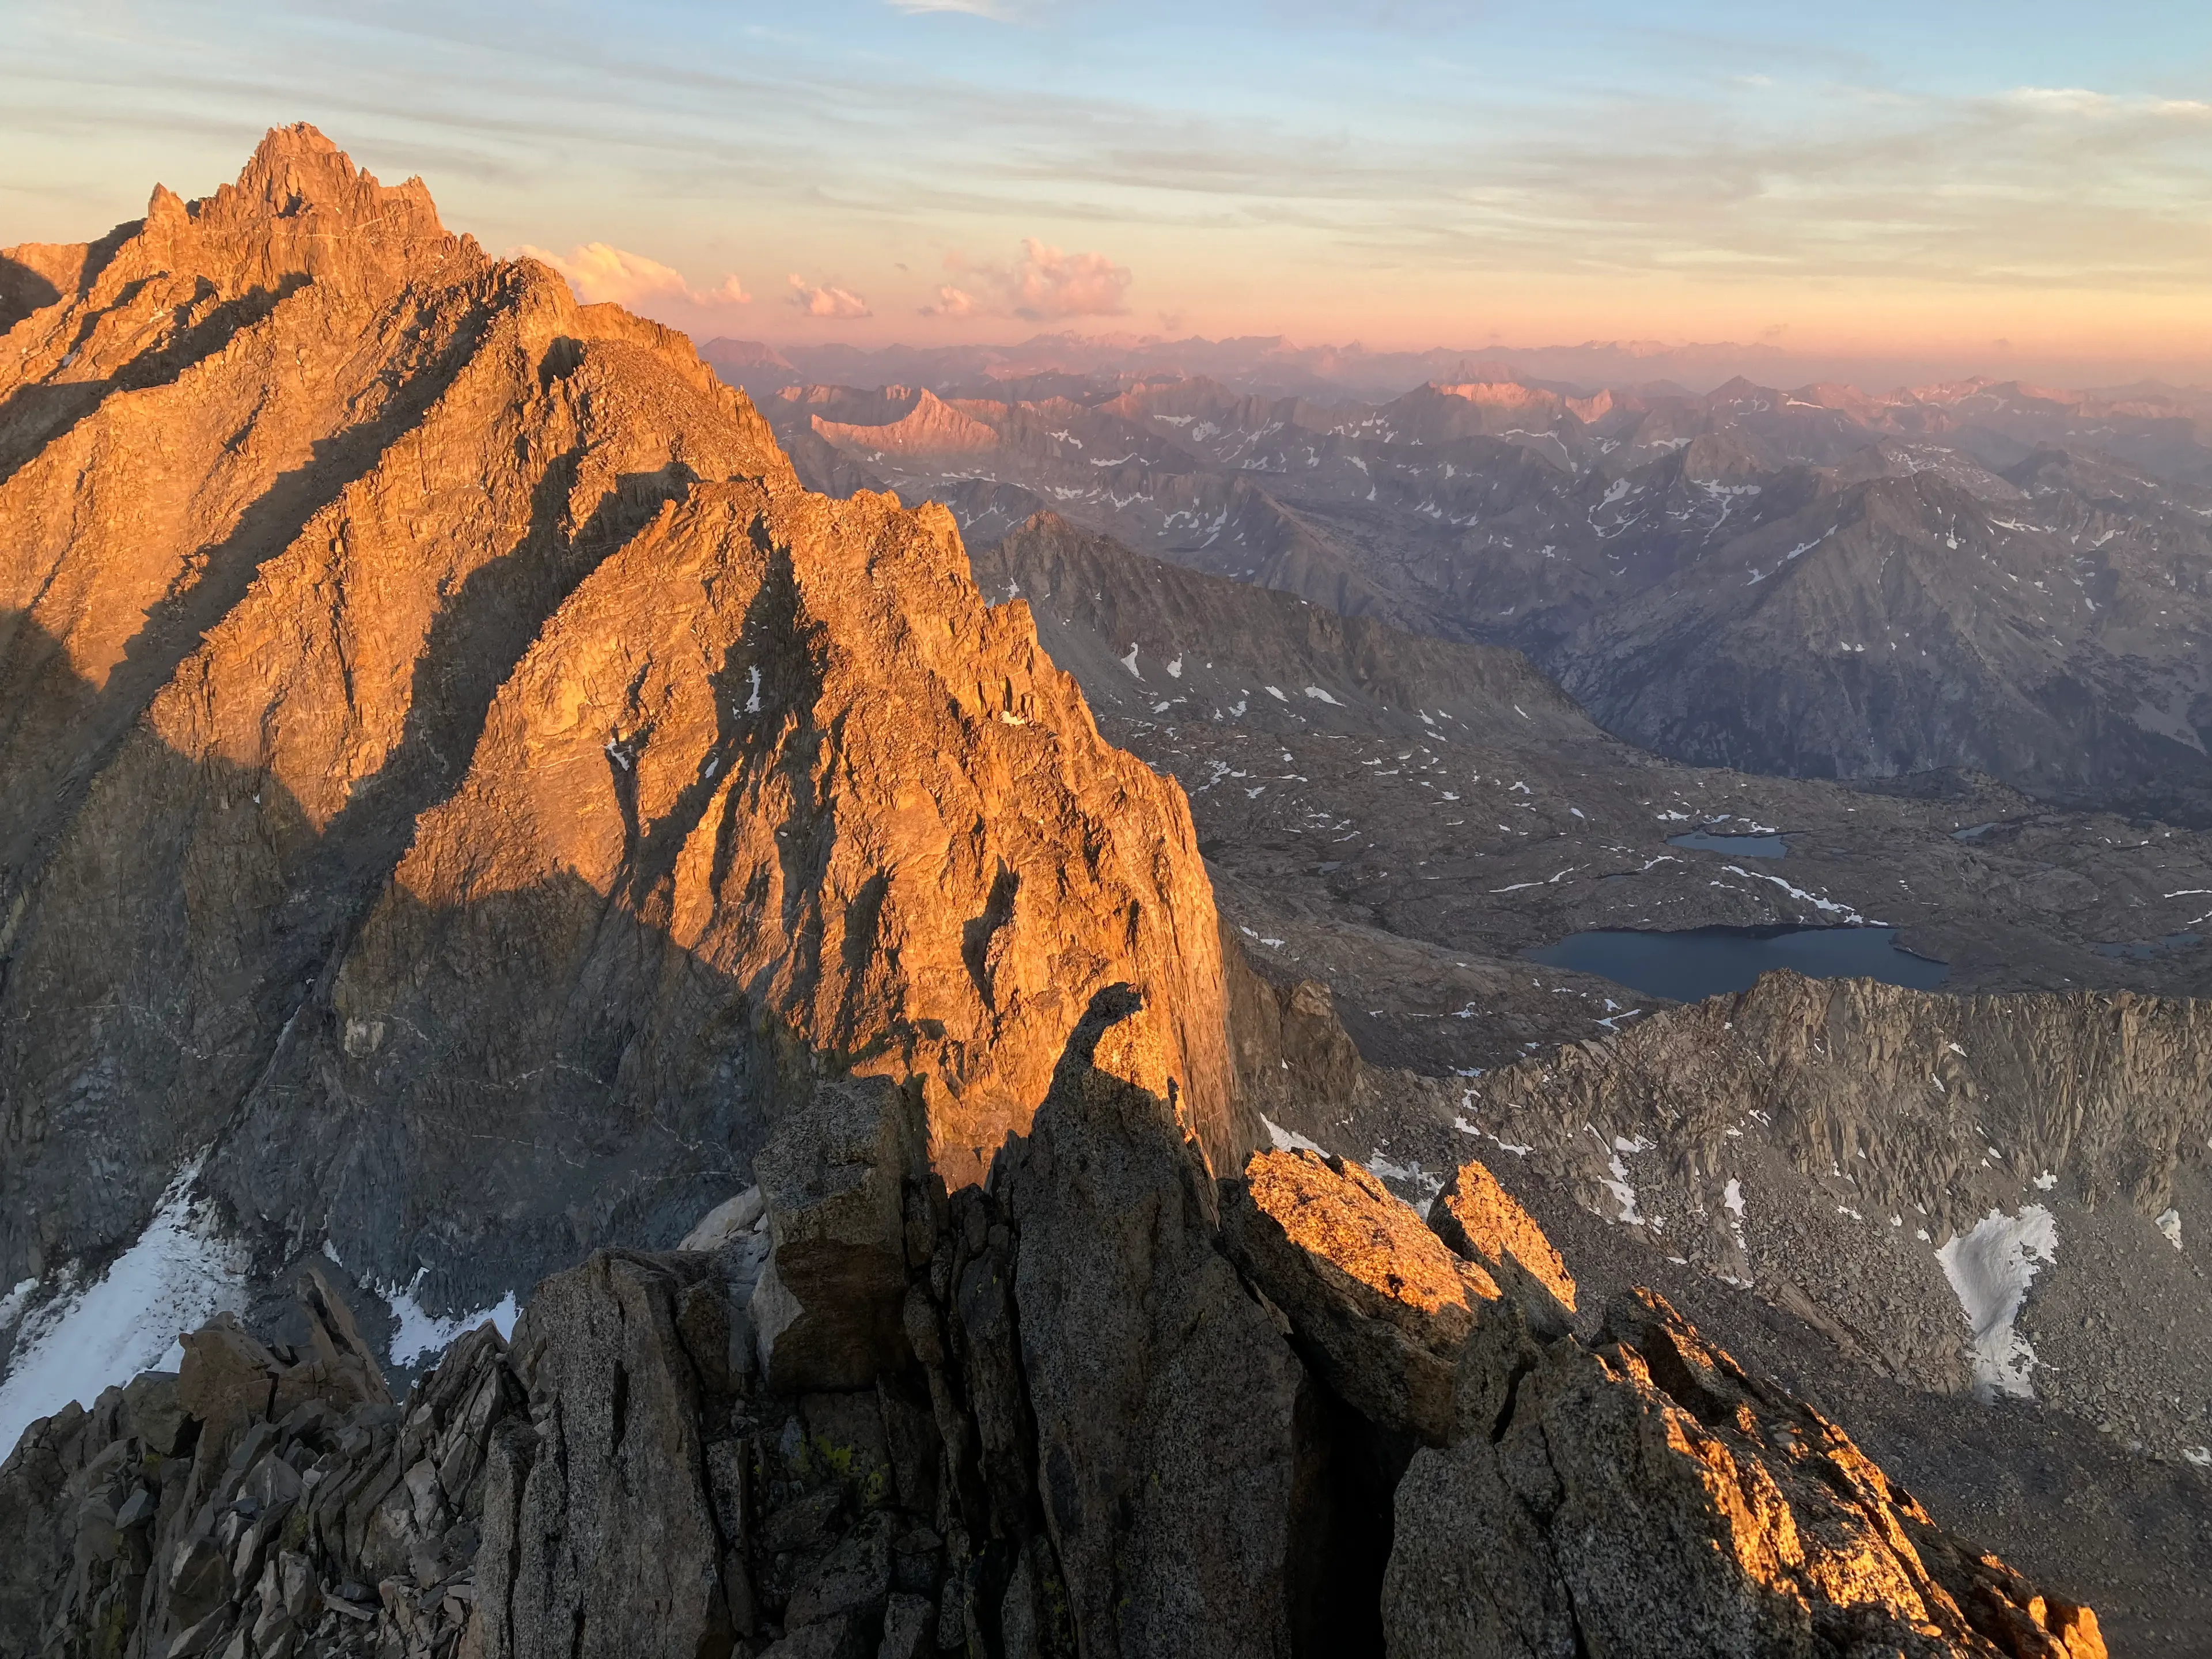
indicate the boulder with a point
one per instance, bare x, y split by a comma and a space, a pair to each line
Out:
827, 1309
227, 1379
1377, 1302
725, 1221
153, 1412
340, 1371
1480, 1220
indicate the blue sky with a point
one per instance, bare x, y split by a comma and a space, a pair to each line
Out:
1880, 176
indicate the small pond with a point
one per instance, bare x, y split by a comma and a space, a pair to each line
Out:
1706, 962
2144, 950
1749, 846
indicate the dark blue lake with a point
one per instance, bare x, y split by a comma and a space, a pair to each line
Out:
1749, 846
1706, 962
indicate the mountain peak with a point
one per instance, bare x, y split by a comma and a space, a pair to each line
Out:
295, 173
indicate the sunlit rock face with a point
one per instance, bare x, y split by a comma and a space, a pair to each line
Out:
459, 776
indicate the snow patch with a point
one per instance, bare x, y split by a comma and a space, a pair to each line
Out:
1129, 662
1412, 1174
1732, 1201
1819, 903
1288, 1141
177, 1275
423, 1335
1319, 695
2170, 1225
1991, 1268
1623, 1194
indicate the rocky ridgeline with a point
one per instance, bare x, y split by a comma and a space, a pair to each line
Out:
1102, 1405
1931, 1106
1820, 1141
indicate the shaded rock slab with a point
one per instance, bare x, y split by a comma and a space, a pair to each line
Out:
1165, 1397
827, 1311
611, 1547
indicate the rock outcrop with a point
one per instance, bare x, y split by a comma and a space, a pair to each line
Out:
1642, 1495
1383, 1303
1166, 1401
1096, 1436
1930, 1103
1483, 1222
434, 712
1834, 1145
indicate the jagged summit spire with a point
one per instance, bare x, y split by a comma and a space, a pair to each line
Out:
299, 208
296, 174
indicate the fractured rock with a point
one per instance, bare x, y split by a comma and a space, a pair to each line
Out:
1381, 1305
1646, 1497
613, 1547
1484, 1223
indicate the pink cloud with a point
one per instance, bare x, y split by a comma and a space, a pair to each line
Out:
599, 271
954, 302
826, 300
1045, 283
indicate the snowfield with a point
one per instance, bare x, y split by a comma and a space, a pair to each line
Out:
1991, 1268
178, 1275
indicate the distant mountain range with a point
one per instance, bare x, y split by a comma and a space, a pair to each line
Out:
1270, 364
1822, 582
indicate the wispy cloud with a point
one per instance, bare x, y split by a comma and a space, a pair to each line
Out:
826, 300
600, 272
2101, 106
1793, 161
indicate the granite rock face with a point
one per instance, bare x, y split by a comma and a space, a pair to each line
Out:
1166, 1400
1097, 1437
431, 709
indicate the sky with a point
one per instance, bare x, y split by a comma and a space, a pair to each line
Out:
2016, 188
